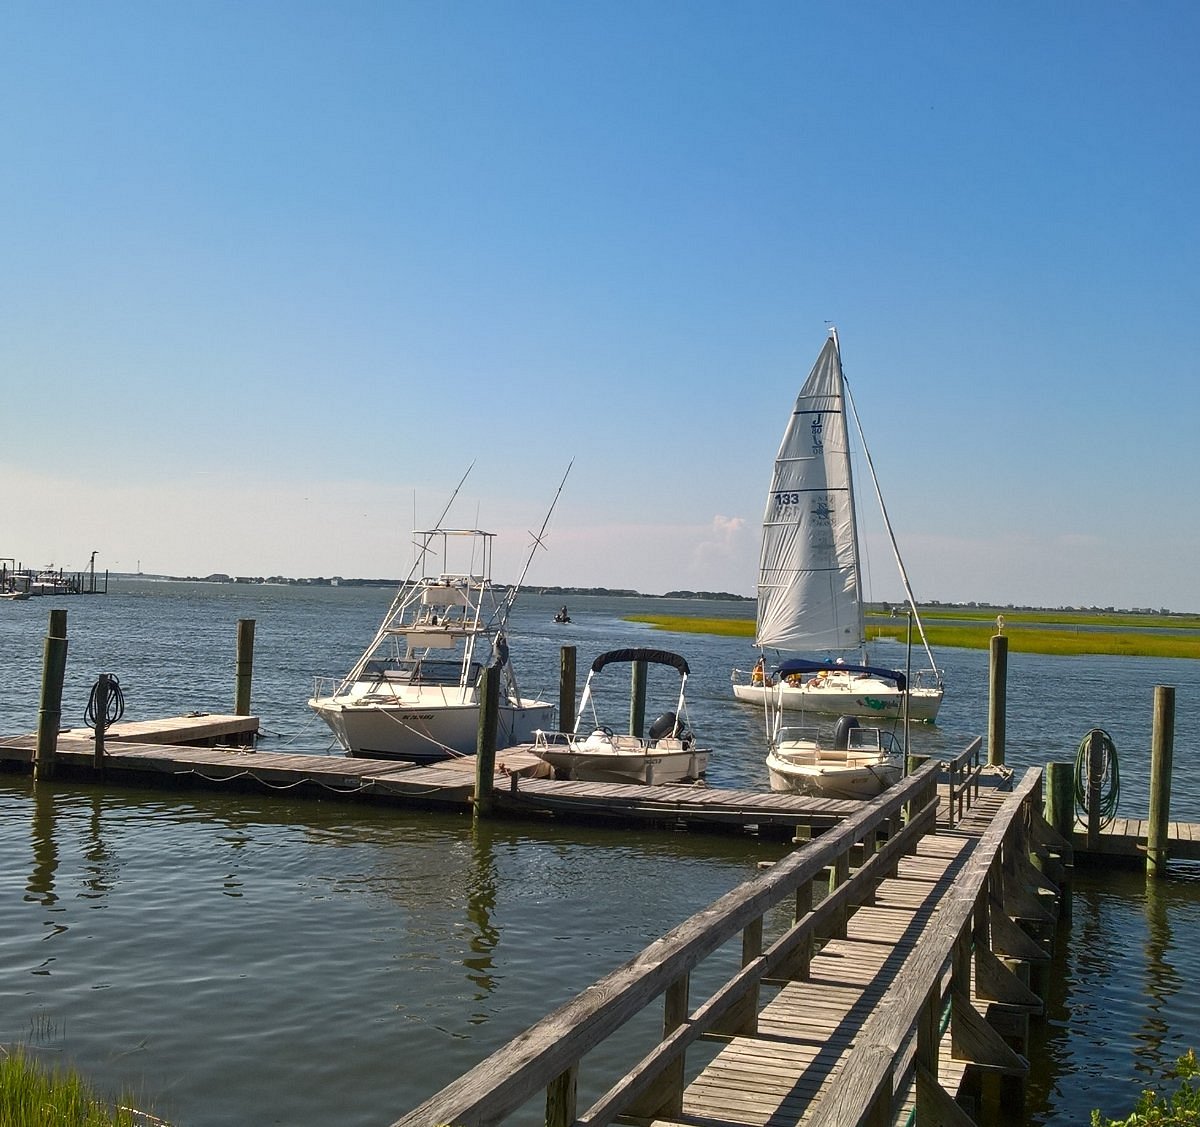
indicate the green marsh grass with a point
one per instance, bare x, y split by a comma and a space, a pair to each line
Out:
1061, 634
32, 1096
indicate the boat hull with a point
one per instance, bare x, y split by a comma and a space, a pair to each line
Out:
425, 734
843, 695
648, 770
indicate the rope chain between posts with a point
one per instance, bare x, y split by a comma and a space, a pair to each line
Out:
1109, 783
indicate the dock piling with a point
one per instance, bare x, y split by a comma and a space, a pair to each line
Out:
54, 668
997, 699
566, 689
485, 752
245, 666
637, 699
1059, 797
1162, 753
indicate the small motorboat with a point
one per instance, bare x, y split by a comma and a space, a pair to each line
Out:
666, 754
857, 763
562, 616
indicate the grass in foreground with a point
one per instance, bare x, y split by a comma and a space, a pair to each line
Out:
1066, 640
31, 1096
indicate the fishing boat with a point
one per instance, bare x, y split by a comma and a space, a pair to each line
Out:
856, 762
414, 694
809, 587
666, 754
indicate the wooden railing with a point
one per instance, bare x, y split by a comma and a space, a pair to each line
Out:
857, 854
957, 968
961, 774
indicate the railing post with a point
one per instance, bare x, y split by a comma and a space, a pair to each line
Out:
1060, 797
562, 1098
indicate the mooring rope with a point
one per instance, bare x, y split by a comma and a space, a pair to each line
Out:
1109, 783
115, 705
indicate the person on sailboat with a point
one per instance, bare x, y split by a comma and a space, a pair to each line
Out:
759, 676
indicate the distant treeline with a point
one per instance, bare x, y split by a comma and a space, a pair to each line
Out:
340, 581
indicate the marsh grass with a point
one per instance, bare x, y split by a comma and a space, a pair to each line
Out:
1042, 632
32, 1096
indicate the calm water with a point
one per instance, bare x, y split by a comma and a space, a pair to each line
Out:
235, 959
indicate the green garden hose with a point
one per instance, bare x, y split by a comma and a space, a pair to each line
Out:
1110, 776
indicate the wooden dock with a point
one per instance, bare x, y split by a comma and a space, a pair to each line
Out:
217, 750
907, 985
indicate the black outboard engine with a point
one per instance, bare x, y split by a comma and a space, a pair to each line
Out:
841, 731
664, 726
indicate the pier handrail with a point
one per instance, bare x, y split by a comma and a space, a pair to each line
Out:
547, 1056
898, 1044
962, 774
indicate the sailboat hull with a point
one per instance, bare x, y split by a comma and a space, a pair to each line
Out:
843, 695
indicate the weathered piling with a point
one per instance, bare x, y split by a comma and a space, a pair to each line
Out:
566, 689
54, 668
1162, 754
485, 751
997, 699
1059, 797
637, 699
245, 666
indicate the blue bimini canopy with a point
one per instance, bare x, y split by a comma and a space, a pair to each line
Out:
656, 657
801, 665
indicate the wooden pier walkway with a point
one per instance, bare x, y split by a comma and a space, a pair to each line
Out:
904, 986
838, 1019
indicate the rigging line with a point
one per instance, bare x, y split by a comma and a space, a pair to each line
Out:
538, 540
912, 602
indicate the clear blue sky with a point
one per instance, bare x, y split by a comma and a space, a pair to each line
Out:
275, 273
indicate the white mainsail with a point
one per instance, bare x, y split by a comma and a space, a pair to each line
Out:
809, 589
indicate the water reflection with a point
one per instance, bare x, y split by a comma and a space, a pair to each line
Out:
40, 887
1161, 982
481, 902
102, 866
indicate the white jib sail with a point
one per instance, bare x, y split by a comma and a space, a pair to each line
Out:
809, 592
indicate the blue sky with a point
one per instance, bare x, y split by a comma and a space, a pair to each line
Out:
275, 273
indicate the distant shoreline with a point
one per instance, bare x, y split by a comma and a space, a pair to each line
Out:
341, 581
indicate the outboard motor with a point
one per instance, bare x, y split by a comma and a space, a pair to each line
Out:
841, 732
663, 726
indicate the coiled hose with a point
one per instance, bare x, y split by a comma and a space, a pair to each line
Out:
114, 709
1109, 783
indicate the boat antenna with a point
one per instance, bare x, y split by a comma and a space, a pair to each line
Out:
538, 538
912, 602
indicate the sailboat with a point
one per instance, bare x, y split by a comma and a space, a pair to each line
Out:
810, 586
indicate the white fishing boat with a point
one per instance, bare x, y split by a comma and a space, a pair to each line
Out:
810, 596
414, 694
666, 754
856, 763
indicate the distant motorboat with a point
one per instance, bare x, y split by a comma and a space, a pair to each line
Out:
562, 616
